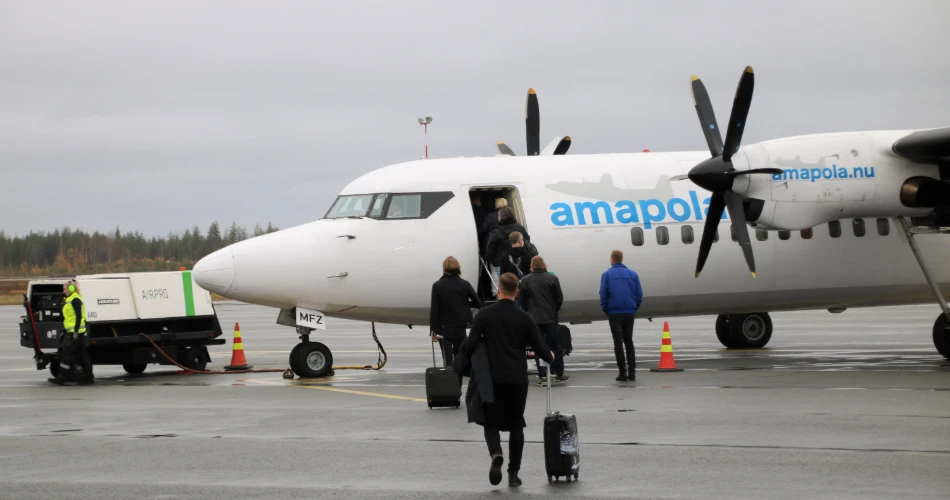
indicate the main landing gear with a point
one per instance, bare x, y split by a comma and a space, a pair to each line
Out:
941, 331
310, 359
744, 330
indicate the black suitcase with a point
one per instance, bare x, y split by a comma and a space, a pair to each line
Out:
564, 338
442, 385
561, 446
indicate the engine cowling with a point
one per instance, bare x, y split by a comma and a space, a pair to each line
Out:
831, 176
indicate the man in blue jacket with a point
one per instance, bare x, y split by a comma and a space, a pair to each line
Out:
620, 297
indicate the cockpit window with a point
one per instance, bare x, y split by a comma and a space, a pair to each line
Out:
378, 204
394, 206
405, 206
350, 206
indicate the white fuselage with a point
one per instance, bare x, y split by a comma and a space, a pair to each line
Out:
577, 209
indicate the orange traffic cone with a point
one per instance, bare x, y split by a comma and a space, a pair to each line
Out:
237, 354
666, 353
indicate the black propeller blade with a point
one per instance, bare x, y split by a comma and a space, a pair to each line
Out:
717, 173
532, 122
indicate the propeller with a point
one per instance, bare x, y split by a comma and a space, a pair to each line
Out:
717, 173
532, 119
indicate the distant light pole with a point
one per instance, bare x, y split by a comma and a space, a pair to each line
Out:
425, 125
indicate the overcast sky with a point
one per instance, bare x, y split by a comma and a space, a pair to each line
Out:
155, 116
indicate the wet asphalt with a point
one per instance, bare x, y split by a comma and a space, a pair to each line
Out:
852, 405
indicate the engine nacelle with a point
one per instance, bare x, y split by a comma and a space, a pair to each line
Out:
831, 176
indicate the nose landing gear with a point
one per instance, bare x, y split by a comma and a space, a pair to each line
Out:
310, 359
749, 331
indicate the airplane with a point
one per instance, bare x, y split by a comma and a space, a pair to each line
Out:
834, 235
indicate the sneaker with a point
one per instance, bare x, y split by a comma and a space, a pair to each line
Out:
632, 376
513, 480
621, 378
562, 377
57, 381
543, 382
494, 474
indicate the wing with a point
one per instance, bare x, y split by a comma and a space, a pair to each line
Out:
925, 146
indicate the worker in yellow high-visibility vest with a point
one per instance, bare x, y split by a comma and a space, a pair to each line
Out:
74, 360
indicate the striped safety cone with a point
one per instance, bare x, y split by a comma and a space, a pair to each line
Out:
667, 364
237, 353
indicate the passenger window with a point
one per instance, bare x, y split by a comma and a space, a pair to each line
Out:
734, 231
784, 235
686, 232
636, 236
378, 203
834, 228
806, 234
405, 206
662, 235
883, 227
761, 234
858, 225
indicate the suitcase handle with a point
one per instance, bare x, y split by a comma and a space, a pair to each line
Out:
548, 366
434, 365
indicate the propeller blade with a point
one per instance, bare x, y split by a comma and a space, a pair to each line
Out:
716, 206
773, 171
504, 149
737, 214
532, 123
740, 110
679, 178
563, 146
549, 149
707, 118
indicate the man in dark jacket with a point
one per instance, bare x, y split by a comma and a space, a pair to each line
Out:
620, 298
505, 330
498, 239
540, 296
450, 310
517, 259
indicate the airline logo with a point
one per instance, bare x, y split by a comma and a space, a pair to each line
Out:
646, 211
816, 174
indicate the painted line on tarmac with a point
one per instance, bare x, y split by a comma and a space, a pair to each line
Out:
334, 389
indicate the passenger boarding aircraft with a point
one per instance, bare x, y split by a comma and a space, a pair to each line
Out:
834, 219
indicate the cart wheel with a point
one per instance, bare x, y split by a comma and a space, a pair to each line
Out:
576, 475
568, 478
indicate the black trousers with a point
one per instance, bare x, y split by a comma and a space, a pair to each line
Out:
507, 414
451, 344
75, 363
621, 327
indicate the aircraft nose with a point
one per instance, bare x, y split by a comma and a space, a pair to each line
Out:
215, 272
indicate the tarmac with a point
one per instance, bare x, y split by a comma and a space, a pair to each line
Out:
851, 405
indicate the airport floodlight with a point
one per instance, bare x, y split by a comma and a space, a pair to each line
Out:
425, 125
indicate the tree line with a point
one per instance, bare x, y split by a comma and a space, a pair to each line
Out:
69, 252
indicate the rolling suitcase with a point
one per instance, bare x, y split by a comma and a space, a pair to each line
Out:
442, 385
561, 446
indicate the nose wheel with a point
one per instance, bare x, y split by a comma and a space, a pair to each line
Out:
311, 360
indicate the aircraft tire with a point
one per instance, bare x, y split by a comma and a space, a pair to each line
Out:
311, 360
750, 331
134, 368
942, 336
722, 331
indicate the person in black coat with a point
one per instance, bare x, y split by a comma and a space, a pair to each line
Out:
517, 259
450, 310
505, 330
498, 239
541, 297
